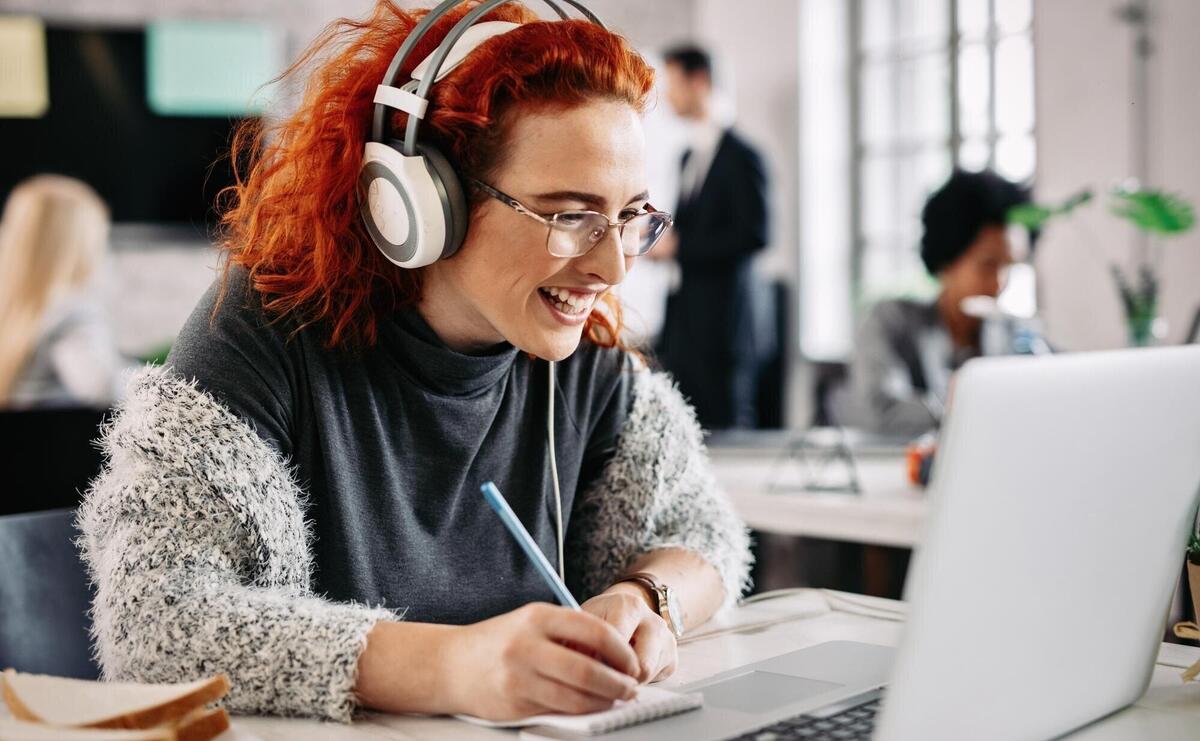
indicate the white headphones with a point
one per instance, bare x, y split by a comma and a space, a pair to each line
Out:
411, 200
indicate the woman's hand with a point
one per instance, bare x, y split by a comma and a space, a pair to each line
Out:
625, 606
538, 659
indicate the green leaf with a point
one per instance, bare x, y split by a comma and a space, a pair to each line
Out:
157, 356
1029, 215
1035, 215
1154, 211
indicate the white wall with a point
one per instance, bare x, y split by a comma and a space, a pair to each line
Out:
1085, 98
759, 55
1175, 159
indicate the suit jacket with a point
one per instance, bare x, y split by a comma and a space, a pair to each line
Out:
710, 318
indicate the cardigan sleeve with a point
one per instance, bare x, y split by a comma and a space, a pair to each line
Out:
656, 491
194, 537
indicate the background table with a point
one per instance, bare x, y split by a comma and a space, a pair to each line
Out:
887, 511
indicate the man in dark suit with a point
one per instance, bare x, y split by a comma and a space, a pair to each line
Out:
708, 337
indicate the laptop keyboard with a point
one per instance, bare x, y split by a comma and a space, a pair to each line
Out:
855, 722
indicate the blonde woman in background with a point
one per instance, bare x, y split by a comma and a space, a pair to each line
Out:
55, 347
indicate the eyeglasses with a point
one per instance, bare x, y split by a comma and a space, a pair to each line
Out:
575, 233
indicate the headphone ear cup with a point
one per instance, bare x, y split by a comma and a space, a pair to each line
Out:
450, 192
407, 204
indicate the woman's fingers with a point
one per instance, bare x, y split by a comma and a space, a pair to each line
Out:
619, 611
582, 673
557, 697
655, 648
669, 659
593, 634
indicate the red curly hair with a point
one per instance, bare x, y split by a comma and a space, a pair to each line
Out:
292, 218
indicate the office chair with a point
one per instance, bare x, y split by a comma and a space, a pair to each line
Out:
773, 338
1193, 335
47, 457
44, 596
828, 378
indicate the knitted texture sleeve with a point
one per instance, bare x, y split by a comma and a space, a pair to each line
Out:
194, 537
657, 491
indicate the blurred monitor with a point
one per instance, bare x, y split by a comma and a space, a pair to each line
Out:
99, 127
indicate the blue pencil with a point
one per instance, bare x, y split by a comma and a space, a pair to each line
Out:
525, 540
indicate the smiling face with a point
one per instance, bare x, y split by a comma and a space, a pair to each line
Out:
503, 285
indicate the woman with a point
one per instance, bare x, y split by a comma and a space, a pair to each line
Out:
295, 499
906, 351
57, 349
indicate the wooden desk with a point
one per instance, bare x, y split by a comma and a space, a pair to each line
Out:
888, 511
1169, 710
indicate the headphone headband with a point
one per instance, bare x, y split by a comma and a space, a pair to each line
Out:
411, 200
419, 100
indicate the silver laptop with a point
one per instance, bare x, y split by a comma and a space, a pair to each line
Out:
1063, 494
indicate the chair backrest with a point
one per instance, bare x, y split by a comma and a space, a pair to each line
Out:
828, 378
47, 457
1193, 335
44, 596
773, 338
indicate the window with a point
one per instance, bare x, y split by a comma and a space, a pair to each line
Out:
893, 95
937, 84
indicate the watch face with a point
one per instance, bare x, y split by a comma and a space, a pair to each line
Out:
674, 615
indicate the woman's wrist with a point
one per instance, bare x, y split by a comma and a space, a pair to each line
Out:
636, 589
407, 668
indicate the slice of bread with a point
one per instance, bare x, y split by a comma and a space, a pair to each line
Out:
58, 701
202, 725
20, 730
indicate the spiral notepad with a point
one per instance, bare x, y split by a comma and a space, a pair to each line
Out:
651, 703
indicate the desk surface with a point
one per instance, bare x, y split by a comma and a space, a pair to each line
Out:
1169, 710
888, 511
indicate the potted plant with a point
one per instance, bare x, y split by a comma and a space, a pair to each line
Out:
1191, 629
1193, 570
1157, 215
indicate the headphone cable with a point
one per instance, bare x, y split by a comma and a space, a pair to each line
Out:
558, 523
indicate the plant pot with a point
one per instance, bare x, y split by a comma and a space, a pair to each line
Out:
1145, 329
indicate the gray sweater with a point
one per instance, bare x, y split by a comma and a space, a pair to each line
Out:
267, 500
900, 373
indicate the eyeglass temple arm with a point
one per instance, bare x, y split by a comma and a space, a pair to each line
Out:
509, 201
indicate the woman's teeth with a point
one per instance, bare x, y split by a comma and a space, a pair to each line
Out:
567, 302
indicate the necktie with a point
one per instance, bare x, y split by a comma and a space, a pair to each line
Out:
686, 186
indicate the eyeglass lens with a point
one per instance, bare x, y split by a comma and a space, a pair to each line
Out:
575, 233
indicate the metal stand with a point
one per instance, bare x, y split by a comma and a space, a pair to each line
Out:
815, 452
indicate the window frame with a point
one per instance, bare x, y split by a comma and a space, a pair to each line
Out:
950, 45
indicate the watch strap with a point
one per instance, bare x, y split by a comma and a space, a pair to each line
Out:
648, 581
662, 597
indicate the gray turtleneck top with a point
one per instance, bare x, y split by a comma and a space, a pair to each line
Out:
393, 442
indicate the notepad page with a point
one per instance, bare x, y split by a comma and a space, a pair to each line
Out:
651, 703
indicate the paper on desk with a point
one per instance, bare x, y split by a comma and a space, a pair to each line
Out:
1177, 655
650, 703
866, 605
758, 615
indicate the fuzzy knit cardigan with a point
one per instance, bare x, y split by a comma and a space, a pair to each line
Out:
195, 538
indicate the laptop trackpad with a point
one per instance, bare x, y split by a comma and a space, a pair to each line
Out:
758, 692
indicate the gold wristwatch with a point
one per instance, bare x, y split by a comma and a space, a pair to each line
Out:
668, 606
